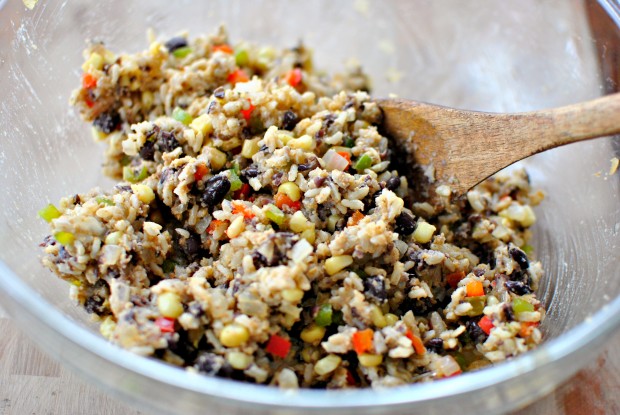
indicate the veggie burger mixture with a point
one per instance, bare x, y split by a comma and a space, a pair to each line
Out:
261, 231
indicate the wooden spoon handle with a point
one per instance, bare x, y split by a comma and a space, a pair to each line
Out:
596, 118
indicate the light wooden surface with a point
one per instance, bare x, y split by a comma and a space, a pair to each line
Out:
33, 384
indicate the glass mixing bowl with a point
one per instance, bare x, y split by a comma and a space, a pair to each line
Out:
483, 55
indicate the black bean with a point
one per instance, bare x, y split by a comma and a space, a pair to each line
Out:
94, 304
374, 287
319, 181
508, 313
147, 152
276, 179
249, 172
475, 332
216, 189
209, 363
192, 246
183, 347
393, 183
219, 92
329, 120
419, 306
478, 272
107, 122
211, 107
405, 224
350, 103
434, 345
63, 254
519, 257
518, 287
175, 43
289, 120
259, 260
196, 310
310, 165
167, 141
323, 212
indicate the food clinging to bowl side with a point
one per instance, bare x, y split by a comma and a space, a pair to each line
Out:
264, 229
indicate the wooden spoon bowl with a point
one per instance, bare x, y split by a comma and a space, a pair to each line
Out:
462, 148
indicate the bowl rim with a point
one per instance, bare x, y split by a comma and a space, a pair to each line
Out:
591, 332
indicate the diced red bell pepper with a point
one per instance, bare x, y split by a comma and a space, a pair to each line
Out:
475, 289
278, 346
248, 113
215, 223
362, 341
416, 342
242, 193
350, 379
486, 324
293, 77
89, 103
454, 278
347, 156
223, 48
527, 328
282, 200
201, 171
165, 324
239, 207
237, 76
88, 81
355, 218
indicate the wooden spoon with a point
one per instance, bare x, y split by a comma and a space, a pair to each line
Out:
465, 147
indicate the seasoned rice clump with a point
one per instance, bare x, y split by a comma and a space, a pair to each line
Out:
260, 232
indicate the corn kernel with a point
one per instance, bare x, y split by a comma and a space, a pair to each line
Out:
239, 360
98, 135
529, 218
327, 364
377, 317
169, 305
144, 193
293, 295
217, 159
202, 124
147, 99
298, 222
424, 232
250, 147
154, 48
309, 234
313, 334
285, 136
109, 57
391, 319
236, 227
107, 327
234, 335
370, 360
307, 354
291, 190
113, 238
337, 263
95, 61
332, 221
521, 214
305, 142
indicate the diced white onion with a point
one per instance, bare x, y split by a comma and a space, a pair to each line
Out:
334, 161
301, 251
